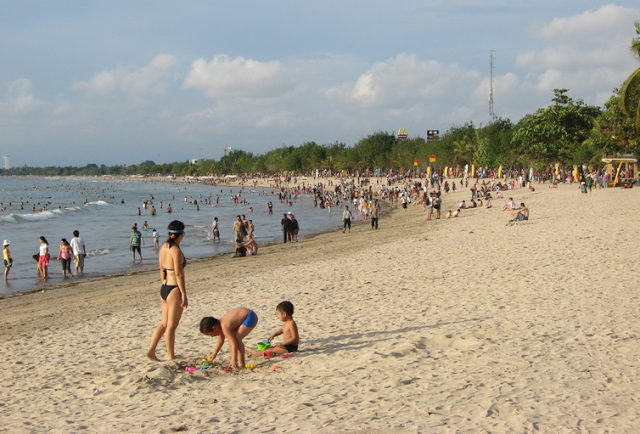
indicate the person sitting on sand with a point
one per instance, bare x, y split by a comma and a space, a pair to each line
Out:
234, 325
289, 332
521, 214
511, 205
241, 250
251, 245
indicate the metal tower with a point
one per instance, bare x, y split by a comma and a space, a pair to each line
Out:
492, 115
6, 161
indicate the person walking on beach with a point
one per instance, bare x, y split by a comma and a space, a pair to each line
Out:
215, 230
135, 242
79, 251
238, 229
64, 257
8, 261
346, 219
156, 239
173, 292
295, 228
43, 258
285, 227
375, 214
436, 205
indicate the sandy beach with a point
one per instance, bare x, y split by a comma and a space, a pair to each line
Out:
465, 325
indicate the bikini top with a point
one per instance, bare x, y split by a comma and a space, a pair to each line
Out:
164, 270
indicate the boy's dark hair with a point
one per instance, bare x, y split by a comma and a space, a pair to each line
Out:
208, 323
286, 307
76, 233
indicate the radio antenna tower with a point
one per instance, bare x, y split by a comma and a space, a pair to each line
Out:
492, 115
7, 166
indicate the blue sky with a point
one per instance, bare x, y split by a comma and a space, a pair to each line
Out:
122, 82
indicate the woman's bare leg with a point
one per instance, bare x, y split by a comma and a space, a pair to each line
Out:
158, 332
174, 313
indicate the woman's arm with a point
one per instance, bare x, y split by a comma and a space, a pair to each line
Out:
162, 278
178, 261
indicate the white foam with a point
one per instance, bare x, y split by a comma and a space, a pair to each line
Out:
9, 218
98, 252
98, 202
43, 215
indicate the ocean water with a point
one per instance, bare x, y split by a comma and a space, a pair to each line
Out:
104, 210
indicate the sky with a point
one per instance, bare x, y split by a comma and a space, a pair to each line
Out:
121, 82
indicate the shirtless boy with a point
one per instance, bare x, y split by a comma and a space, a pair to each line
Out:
234, 325
521, 214
289, 330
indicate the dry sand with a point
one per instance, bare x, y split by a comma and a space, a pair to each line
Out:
466, 325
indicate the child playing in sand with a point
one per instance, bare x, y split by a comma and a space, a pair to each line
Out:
235, 325
289, 330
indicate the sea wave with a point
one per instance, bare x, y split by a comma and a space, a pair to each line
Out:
98, 202
98, 252
35, 217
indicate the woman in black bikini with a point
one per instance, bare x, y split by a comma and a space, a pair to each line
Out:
173, 291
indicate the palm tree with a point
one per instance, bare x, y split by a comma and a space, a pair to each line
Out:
632, 84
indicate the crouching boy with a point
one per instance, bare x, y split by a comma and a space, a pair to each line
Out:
234, 325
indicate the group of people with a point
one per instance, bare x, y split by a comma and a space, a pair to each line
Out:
75, 249
233, 326
289, 227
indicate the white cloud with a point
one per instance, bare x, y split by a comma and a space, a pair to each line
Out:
401, 81
148, 80
20, 100
224, 77
587, 53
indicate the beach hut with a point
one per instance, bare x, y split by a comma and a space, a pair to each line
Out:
622, 168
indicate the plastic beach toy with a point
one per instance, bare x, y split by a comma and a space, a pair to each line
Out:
264, 345
268, 354
274, 367
284, 356
190, 369
249, 366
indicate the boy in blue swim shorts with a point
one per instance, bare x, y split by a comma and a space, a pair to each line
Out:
234, 325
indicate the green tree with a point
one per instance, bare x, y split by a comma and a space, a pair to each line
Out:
629, 104
556, 132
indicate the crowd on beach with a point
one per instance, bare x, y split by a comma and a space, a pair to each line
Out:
67, 251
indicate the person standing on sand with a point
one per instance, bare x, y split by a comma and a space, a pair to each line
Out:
238, 229
285, 227
64, 257
375, 214
215, 230
436, 205
135, 242
79, 251
43, 258
346, 219
8, 261
295, 228
173, 292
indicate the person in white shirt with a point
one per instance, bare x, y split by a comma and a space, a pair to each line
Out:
511, 205
79, 251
